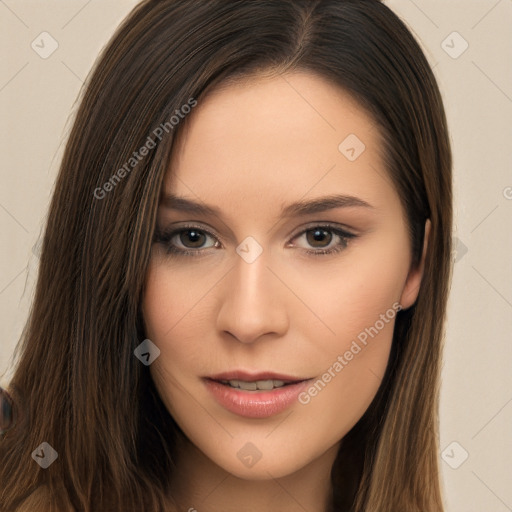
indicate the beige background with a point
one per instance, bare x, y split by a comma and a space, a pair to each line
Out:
37, 99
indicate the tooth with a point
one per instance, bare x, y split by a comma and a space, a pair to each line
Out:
265, 384
248, 386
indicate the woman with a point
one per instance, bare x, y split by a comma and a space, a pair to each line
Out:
194, 342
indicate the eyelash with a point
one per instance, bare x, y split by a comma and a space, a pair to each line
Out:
165, 236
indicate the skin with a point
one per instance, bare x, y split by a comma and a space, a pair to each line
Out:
248, 150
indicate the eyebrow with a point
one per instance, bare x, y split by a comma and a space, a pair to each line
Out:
317, 205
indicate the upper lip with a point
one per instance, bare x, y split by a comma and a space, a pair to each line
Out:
254, 376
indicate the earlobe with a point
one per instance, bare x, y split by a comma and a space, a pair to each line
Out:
412, 285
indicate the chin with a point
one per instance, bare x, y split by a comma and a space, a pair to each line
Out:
275, 466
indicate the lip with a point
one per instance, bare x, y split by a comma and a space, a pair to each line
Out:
252, 376
255, 404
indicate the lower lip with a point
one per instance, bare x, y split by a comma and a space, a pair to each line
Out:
255, 404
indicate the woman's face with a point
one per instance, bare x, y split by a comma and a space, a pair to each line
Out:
256, 297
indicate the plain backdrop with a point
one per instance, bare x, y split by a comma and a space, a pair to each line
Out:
468, 44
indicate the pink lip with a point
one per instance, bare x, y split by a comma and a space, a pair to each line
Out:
255, 404
251, 377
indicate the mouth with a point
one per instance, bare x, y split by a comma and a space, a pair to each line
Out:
260, 381
255, 395
258, 385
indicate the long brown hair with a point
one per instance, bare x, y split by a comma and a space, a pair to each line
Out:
77, 384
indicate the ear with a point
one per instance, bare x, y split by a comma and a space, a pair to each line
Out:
413, 282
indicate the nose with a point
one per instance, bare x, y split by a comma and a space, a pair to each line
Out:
252, 302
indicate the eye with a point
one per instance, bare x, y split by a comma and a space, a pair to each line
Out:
186, 241
321, 236
192, 240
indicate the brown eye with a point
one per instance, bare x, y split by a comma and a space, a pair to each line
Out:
323, 240
195, 237
186, 241
317, 237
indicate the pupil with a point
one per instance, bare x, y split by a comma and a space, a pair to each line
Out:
319, 236
193, 236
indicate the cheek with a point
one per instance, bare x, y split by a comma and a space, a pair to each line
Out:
171, 297
357, 302
174, 315
350, 294
165, 307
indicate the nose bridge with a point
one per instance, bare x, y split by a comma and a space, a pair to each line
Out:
251, 304
252, 284
250, 275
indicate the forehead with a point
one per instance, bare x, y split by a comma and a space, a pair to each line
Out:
273, 139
